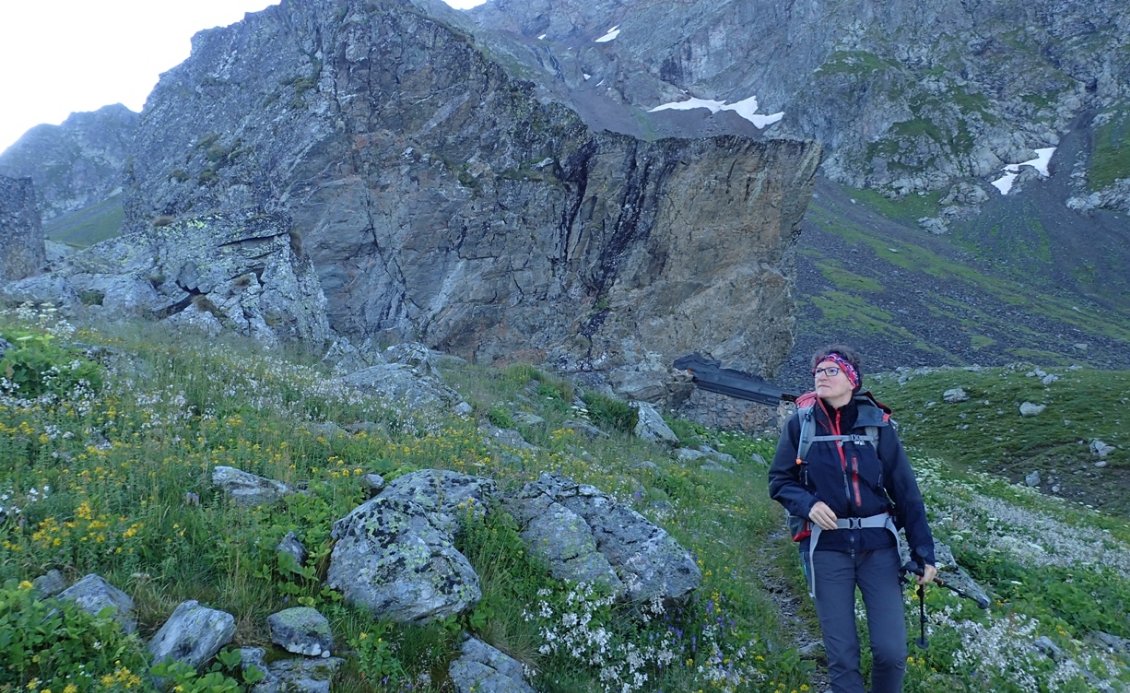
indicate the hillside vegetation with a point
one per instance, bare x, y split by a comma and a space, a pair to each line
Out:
1021, 282
87, 226
108, 438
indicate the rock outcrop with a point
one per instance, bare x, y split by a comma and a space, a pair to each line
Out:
586, 536
22, 250
242, 271
441, 201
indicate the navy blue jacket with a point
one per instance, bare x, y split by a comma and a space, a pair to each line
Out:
854, 483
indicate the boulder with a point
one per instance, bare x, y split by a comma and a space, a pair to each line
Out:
242, 271
1100, 449
651, 426
562, 538
193, 634
289, 674
92, 594
955, 395
301, 630
481, 667
404, 386
245, 488
291, 546
394, 554
648, 562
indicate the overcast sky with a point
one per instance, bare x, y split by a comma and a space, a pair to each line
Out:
59, 57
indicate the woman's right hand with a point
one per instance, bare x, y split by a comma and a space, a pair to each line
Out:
822, 516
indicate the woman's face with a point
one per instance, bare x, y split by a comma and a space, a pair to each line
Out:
834, 389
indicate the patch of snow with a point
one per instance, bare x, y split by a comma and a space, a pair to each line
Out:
712, 106
612, 34
1040, 163
746, 108
1004, 183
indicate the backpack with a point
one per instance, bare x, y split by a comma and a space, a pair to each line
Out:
799, 526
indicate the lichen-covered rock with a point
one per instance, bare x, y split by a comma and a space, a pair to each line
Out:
481, 668
392, 559
562, 538
404, 386
301, 630
394, 554
290, 674
651, 426
245, 488
647, 560
443, 493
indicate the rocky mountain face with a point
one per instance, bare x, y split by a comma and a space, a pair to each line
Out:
77, 164
22, 252
502, 183
440, 200
906, 97
967, 256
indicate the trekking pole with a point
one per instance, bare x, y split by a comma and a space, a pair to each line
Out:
922, 617
914, 568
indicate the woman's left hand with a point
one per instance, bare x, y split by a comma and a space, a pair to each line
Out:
928, 573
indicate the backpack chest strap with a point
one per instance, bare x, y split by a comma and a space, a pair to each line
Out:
854, 438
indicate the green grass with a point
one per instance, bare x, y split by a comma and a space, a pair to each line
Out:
855, 63
89, 225
119, 457
987, 432
908, 209
846, 280
1110, 159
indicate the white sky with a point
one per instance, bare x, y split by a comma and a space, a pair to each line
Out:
59, 57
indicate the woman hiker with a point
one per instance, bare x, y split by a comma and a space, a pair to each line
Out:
846, 499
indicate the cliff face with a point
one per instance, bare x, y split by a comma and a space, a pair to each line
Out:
22, 250
440, 200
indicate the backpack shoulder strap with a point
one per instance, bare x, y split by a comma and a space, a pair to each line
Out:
807, 432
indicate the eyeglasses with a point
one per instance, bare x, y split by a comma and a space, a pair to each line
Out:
830, 371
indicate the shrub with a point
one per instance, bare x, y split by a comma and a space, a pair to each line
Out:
500, 417
35, 366
53, 644
607, 412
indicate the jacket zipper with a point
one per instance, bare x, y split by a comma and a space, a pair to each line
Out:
843, 458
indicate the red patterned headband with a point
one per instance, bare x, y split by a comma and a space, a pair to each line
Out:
845, 366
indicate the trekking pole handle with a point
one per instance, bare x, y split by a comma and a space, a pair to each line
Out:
917, 569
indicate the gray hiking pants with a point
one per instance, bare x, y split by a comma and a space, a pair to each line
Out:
877, 575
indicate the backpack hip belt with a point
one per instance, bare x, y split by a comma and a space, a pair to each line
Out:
880, 521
